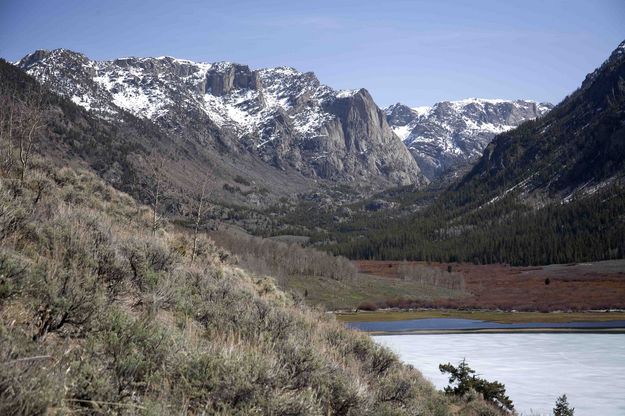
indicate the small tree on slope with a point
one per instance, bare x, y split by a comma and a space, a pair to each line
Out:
465, 380
562, 407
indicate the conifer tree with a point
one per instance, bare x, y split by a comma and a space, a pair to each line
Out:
562, 407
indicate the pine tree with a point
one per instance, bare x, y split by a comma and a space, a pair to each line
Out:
462, 379
562, 407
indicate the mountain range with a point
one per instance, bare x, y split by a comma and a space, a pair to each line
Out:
112, 306
283, 119
270, 135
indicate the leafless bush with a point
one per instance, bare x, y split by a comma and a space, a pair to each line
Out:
149, 257
22, 119
13, 215
67, 284
281, 260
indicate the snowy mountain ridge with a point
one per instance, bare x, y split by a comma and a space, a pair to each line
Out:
285, 117
135, 87
451, 133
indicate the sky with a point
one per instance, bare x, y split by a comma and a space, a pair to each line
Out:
414, 52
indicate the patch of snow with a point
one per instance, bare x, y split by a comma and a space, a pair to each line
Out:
225, 111
346, 93
402, 131
507, 191
283, 70
134, 91
422, 111
543, 108
477, 101
84, 101
264, 142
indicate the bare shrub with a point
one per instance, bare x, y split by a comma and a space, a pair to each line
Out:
281, 260
13, 215
66, 298
368, 306
147, 258
68, 285
28, 379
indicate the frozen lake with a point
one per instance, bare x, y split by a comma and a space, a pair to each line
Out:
536, 368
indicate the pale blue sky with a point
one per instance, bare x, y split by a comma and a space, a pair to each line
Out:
416, 52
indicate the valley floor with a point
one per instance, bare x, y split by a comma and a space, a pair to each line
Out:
570, 287
350, 294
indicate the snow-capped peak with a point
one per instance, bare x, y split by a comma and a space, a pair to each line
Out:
452, 132
282, 115
422, 111
346, 93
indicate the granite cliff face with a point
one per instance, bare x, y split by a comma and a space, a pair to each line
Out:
284, 117
453, 133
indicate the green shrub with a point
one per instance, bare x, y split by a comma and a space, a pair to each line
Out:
137, 350
13, 271
234, 382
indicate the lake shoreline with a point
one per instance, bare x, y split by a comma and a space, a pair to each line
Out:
503, 317
500, 331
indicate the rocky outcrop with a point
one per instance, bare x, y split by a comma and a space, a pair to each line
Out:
365, 140
223, 78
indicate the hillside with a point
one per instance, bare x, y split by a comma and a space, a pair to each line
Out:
134, 155
578, 148
100, 312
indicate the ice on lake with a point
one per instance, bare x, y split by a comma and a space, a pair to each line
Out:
536, 368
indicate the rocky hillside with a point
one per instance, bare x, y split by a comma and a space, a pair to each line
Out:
285, 118
452, 133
